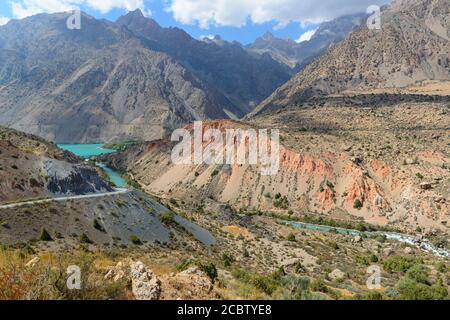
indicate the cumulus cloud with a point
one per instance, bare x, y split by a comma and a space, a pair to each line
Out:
238, 12
24, 8
209, 36
105, 6
307, 36
3, 20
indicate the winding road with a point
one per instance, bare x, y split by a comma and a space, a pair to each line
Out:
87, 196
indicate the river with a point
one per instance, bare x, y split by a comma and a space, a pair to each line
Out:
87, 151
404, 238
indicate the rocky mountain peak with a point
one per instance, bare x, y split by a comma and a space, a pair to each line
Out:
298, 55
136, 19
412, 47
268, 36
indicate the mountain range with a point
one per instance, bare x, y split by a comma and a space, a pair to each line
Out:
124, 80
135, 80
412, 46
298, 55
364, 133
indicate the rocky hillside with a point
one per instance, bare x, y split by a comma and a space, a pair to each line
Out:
299, 55
105, 83
412, 46
381, 163
32, 168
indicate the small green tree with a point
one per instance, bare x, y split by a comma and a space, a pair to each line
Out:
45, 236
85, 239
291, 237
210, 270
98, 226
135, 240
166, 217
357, 204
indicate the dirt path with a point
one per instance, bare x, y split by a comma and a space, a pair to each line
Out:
87, 196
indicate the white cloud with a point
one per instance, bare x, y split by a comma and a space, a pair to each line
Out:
209, 36
307, 36
238, 12
105, 6
25, 8
3, 20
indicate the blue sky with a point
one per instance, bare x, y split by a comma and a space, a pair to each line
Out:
241, 20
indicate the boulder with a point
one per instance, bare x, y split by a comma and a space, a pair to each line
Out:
426, 186
144, 283
191, 284
388, 251
357, 239
408, 250
336, 275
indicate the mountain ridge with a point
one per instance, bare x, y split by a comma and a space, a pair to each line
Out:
298, 55
68, 86
407, 50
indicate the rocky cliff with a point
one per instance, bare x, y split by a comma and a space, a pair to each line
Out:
32, 168
412, 46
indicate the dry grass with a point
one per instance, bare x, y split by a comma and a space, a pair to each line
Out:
47, 279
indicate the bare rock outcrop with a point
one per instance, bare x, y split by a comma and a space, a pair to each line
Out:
145, 284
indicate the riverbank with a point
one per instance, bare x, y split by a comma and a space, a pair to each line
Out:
416, 241
88, 151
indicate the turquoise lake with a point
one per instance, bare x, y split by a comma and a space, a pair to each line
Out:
86, 150
92, 150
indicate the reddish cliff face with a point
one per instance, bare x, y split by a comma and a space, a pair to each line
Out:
324, 183
374, 172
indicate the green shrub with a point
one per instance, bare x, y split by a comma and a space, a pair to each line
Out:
330, 185
45, 236
291, 237
319, 286
135, 240
85, 239
357, 204
211, 270
371, 295
227, 260
34, 183
184, 265
334, 245
98, 226
166, 217
281, 202
409, 289
399, 264
270, 283
267, 284
441, 267
214, 173
419, 274
295, 288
